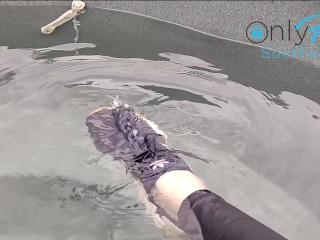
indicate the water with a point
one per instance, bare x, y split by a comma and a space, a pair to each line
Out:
261, 142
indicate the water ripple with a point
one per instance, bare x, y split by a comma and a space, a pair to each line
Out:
259, 147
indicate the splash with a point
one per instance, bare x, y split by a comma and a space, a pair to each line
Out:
117, 102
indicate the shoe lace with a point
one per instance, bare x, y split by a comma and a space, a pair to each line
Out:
152, 150
125, 121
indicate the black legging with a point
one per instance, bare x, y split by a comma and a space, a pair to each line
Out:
219, 220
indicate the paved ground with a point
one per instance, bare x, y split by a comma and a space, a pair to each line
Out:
227, 19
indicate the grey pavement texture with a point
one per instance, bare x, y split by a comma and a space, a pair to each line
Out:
228, 19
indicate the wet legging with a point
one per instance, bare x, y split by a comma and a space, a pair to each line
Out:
219, 220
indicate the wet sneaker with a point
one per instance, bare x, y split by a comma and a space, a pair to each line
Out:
139, 143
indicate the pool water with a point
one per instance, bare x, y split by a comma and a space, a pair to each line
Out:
256, 123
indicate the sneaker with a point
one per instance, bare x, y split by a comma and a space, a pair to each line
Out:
141, 146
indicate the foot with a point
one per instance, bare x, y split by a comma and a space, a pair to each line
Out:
139, 143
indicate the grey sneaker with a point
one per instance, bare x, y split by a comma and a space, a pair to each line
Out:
139, 143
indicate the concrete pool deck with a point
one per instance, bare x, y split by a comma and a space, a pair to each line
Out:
227, 19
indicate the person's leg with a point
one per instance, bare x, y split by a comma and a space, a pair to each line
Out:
180, 191
174, 187
167, 179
